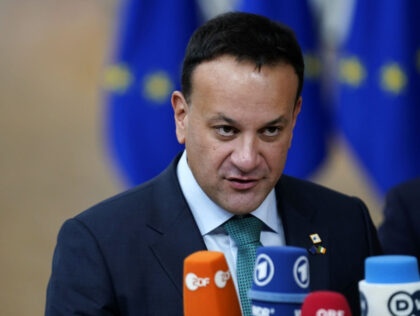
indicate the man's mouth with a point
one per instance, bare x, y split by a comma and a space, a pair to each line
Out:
242, 183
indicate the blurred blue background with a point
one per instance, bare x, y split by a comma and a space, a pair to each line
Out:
371, 101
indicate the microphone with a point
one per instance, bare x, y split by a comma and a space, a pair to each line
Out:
391, 286
208, 286
325, 303
281, 281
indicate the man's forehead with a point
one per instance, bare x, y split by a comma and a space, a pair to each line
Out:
217, 66
239, 82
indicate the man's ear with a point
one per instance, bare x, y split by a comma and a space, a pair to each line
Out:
296, 111
180, 106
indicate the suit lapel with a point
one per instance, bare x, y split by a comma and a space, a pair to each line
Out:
173, 232
175, 245
300, 219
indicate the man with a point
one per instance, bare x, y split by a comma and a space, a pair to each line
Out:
241, 84
400, 231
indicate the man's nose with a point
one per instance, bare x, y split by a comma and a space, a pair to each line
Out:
245, 155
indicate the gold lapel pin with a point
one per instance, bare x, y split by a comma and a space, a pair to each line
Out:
315, 238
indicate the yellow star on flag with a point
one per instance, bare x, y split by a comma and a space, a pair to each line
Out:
351, 71
393, 78
117, 78
157, 86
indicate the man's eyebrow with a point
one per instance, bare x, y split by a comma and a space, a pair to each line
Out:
281, 119
221, 117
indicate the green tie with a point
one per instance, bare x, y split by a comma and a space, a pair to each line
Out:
245, 232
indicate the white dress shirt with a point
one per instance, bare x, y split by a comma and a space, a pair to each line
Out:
210, 217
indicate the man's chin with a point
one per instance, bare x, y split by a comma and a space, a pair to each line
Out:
242, 207
238, 202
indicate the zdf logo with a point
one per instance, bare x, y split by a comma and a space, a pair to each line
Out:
193, 282
221, 278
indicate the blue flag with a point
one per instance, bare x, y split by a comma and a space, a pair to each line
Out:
379, 98
309, 144
145, 69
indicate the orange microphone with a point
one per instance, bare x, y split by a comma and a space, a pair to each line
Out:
208, 286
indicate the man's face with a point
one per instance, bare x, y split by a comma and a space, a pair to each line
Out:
237, 129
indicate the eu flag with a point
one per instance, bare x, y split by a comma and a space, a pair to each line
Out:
378, 105
309, 144
145, 69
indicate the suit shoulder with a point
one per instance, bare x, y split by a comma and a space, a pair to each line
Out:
297, 186
134, 207
124, 202
304, 194
407, 192
323, 205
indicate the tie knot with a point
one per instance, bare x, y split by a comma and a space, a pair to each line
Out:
244, 230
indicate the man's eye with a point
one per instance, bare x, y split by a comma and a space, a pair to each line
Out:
225, 130
271, 131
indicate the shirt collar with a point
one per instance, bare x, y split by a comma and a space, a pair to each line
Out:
207, 214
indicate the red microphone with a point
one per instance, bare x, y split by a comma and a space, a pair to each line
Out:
325, 303
208, 286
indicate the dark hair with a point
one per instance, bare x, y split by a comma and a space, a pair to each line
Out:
246, 36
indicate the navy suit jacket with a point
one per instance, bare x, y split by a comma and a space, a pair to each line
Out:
125, 255
400, 231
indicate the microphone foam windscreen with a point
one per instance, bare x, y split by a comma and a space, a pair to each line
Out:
325, 303
281, 280
208, 286
391, 286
